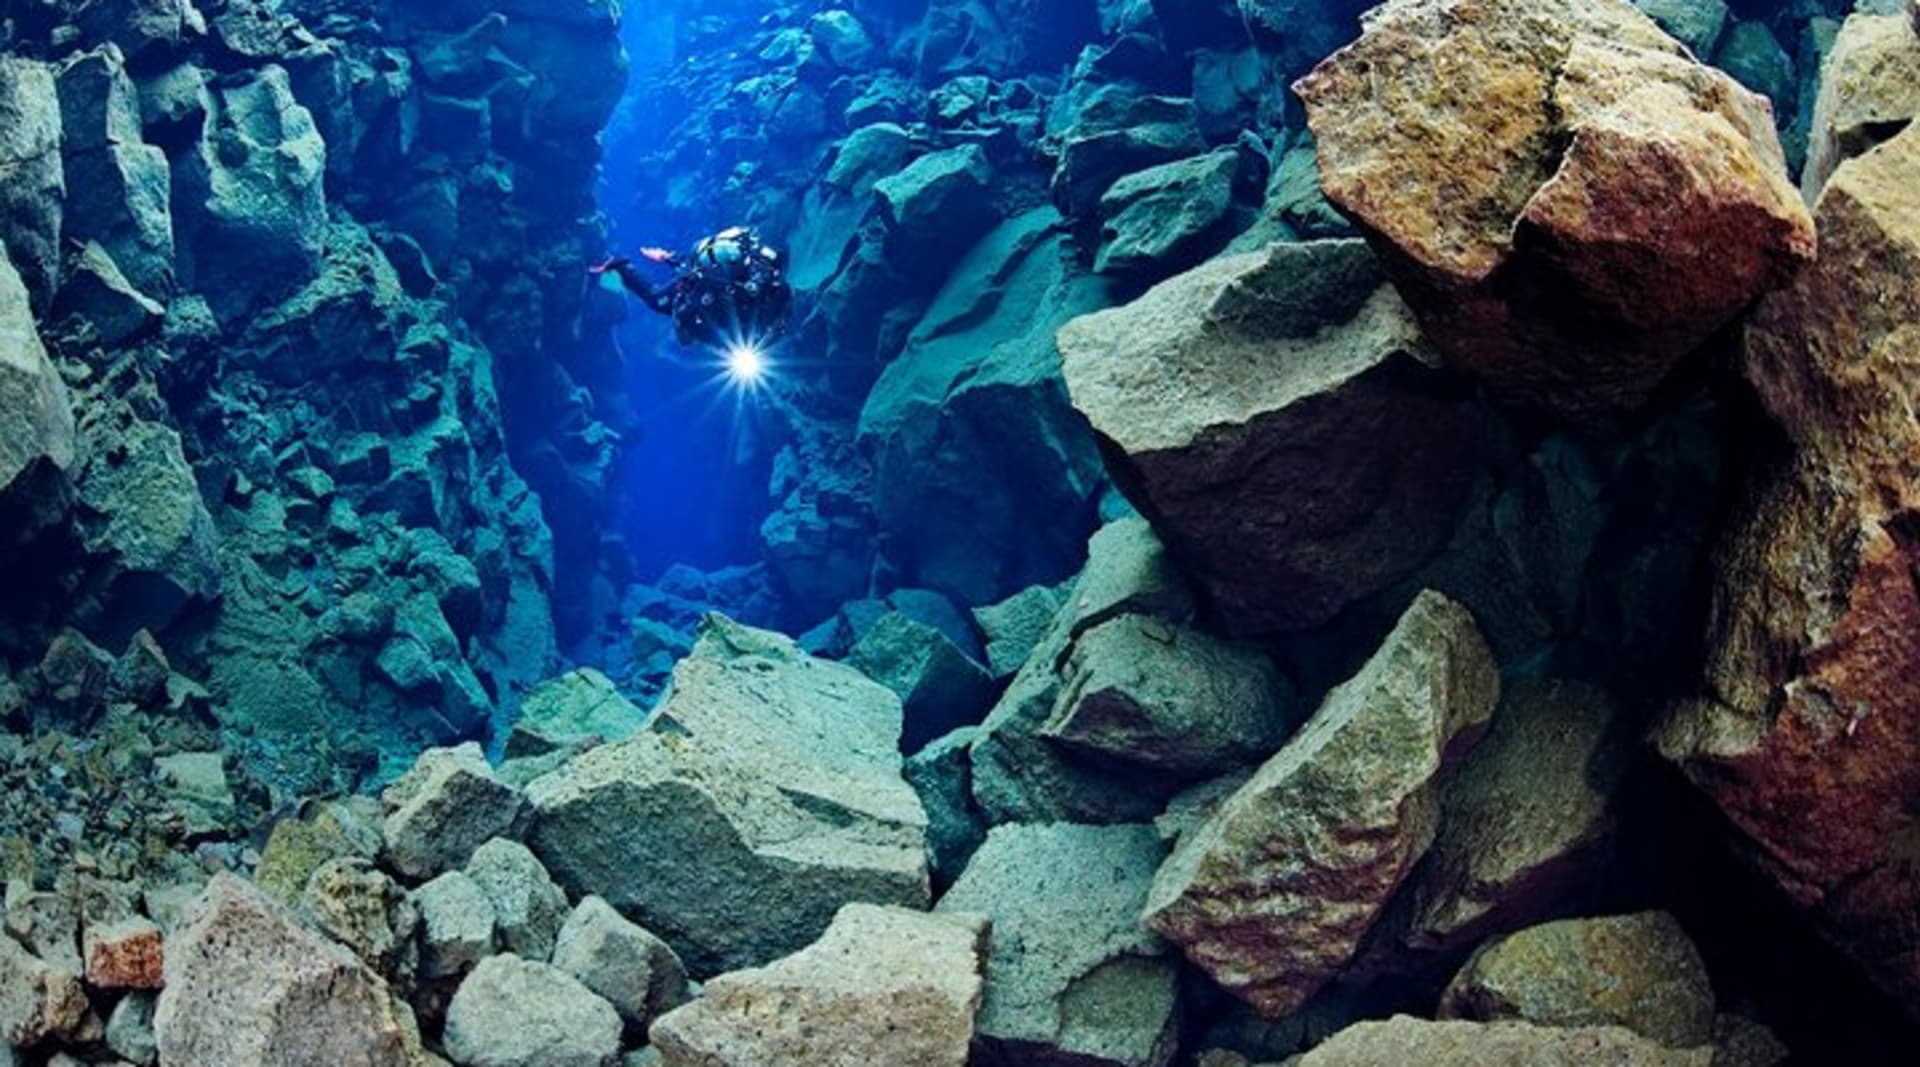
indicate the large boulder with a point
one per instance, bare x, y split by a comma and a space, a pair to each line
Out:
1868, 93
117, 185
941, 688
1694, 23
1637, 971
780, 771
937, 206
1309, 454
1073, 980
529, 910
579, 707
881, 986
1753, 55
37, 435
970, 430
1808, 736
250, 208
513, 1012
457, 928
1273, 892
38, 1000
635, 971
1571, 203
1116, 132
1529, 822
1018, 775
1164, 216
1163, 696
32, 177
445, 807
1406, 1040
246, 983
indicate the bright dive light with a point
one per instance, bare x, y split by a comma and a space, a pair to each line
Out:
746, 363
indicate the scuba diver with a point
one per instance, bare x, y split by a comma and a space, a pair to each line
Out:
731, 289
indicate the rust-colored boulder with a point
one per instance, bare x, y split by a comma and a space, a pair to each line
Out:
1567, 199
1808, 736
128, 954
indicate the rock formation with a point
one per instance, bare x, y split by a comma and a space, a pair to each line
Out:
1304, 399
1271, 894
1570, 203
882, 985
1804, 735
782, 771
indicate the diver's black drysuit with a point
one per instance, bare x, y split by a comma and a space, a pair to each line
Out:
730, 288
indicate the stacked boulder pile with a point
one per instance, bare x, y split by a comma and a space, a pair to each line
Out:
1323, 740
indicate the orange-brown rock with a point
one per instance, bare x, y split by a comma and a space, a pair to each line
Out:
124, 955
1569, 202
1809, 734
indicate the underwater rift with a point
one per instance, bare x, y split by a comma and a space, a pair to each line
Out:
959, 533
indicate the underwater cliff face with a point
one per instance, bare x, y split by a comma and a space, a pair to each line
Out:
1266, 528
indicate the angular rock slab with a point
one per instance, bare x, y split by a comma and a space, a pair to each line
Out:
1273, 416
1530, 818
1808, 737
246, 983
445, 807
780, 771
512, 1012
580, 706
1569, 201
1869, 91
881, 986
970, 429
38, 1000
1073, 980
37, 432
1021, 776
118, 186
32, 177
1167, 697
1274, 891
635, 971
1406, 1040
250, 208
1637, 971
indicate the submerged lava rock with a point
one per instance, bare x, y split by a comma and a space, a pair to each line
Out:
513, 1012
252, 210
37, 434
971, 432
1869, 91
1569, 201
443, 809
780, 772
1529, 821
32, 178
1405, 1040
1020, 775
246, 983
1808, 737
1637, 971
118, 186
881, 986
1073, 980
1273, 415
1272, 893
